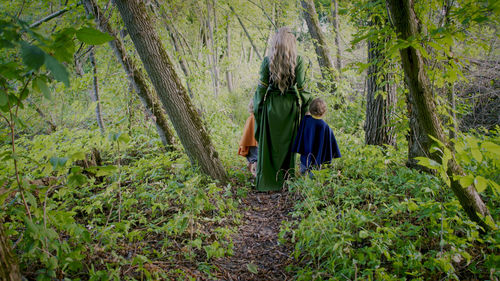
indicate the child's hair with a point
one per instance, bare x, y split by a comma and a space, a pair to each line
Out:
250, 106
317, 107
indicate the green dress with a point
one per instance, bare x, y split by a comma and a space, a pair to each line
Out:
277, 118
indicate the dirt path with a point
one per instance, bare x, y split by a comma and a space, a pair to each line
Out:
257, 255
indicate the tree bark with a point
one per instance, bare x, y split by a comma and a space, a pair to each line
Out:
95, 93
135, 76
335, 15
380, 99
426, 120
246, 33
177, 47
9, 268
322, 52
172, 93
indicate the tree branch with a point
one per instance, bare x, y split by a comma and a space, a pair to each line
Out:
49, 17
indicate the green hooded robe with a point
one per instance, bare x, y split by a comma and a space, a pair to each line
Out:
277, 118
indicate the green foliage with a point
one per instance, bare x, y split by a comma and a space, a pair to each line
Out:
168, 210
368, 217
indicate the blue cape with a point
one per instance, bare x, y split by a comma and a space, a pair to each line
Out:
315, 142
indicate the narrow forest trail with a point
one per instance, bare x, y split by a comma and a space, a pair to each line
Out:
256, 246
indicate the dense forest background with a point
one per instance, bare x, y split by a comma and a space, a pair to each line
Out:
120, 122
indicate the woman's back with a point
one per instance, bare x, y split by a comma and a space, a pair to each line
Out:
278, 103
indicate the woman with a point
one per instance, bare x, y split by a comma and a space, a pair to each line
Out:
279, 103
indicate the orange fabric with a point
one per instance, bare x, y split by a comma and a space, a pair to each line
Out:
248, 138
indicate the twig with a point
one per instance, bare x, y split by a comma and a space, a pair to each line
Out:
49, 17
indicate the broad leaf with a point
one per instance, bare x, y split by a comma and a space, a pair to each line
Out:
33, 57
480, 183
92, 36
466, 181
4, 99
57, 69
42, 87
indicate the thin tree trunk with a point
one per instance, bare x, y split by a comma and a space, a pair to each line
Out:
421, 102
335, 14
322, 52
9, 268
229, 74
380, 99
136, 78
250, 54
246, 33
181, 111
212, 57
95, 92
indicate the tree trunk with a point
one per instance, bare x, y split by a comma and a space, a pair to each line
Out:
229, 74
9, 269
177, 47
185, 119
380, 95
322, 52
380, 102
335, 15
135, 76
95, 93
246, 33
212, 57
423, 109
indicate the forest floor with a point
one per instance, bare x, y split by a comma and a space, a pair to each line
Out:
257, 253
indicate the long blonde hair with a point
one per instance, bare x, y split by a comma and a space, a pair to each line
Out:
282, 58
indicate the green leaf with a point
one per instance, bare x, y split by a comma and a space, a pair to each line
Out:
92, 36
363, 234
76, 178
4, 99
477, 154
42, 87
102, 170
495, 186
57, 69
77, 156
466, 181
58, 162
33, 57
491, 147
124, 138
480, 183
427, 162
252, 268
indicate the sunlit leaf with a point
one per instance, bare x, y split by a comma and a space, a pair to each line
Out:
466, 181
480, 183
491, 147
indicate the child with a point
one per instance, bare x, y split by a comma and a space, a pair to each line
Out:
315, 141
248, 144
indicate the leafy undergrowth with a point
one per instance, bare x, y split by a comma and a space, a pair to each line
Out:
368, 217
150, 216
